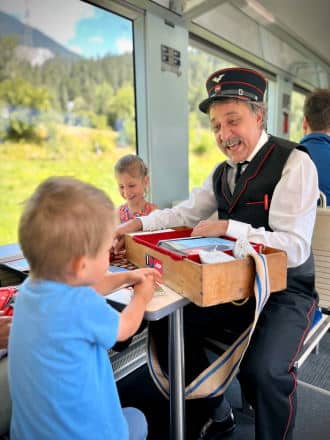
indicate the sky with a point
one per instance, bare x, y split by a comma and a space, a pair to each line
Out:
85, 29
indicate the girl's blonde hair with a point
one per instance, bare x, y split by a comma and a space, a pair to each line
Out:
132, 165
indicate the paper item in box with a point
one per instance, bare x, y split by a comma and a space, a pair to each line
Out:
214, 257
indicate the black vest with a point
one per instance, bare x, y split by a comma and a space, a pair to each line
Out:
254, 189
252, 197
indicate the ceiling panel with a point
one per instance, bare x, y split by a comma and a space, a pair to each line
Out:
307, 20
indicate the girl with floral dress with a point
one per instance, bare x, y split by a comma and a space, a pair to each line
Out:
133, 180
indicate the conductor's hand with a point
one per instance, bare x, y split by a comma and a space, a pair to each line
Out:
125, 228
210, 228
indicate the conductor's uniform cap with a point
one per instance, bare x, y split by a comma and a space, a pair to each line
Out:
235, 82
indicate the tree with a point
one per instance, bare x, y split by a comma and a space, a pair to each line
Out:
25, 105
122, 105
104, 95
8, 60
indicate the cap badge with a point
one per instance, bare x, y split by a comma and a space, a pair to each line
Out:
218, 78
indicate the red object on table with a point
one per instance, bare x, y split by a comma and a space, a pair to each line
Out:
7, 300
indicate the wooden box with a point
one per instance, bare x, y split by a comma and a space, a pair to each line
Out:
208, 284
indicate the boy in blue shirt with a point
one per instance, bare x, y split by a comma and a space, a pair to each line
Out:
316, 126
61, 380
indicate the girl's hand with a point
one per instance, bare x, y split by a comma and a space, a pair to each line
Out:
125, 228
121, 255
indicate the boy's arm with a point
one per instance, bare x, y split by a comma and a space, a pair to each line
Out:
5, 324
131, 317
113, 281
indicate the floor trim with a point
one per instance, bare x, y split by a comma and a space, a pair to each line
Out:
313, 387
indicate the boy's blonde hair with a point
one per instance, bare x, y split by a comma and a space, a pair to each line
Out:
63, 219
132, 165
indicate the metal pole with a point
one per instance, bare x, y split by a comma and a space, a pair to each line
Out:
176, 375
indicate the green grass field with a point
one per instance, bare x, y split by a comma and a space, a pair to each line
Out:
87, 154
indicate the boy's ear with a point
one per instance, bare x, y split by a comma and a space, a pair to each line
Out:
77, 266
146, 180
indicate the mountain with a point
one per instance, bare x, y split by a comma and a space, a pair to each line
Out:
9, 25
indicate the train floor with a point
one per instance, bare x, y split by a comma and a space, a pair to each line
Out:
313, 394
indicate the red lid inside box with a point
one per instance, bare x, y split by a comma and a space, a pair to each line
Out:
151, 240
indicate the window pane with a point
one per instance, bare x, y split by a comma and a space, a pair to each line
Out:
271, 106
296, 116
66, 98
203, 152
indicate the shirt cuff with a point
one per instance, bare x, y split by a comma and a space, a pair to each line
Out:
146, 223
238, 229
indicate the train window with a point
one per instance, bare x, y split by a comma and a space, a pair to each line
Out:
66, 98
271, 106
203, 153
296, 116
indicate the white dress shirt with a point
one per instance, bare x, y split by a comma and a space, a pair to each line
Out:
292, 209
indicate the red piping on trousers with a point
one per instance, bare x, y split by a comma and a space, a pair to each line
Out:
291, 364
290, 404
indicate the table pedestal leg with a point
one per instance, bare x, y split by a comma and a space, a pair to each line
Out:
176, 375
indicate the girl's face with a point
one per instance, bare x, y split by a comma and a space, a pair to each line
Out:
132, 188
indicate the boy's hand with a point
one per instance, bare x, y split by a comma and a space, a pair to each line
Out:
138, 276
114, 281
146, 288
5, 324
